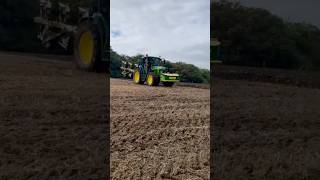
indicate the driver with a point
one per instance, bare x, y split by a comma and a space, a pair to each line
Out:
148, 64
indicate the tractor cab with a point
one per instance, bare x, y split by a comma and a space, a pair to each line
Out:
152, 64
151, 70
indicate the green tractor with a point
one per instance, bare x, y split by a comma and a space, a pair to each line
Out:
83, 31
150, 70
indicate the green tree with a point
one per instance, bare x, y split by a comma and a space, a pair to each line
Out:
255, 37
115, 64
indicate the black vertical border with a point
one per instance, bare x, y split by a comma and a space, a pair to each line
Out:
211, 106
214, 131
106, 10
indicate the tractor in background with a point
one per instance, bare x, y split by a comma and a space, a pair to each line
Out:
87, 38
214, 55
215, 52
150, 70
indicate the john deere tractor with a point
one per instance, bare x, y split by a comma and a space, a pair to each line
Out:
82, 30
149, 70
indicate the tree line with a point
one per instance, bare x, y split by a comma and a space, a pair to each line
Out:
256, 37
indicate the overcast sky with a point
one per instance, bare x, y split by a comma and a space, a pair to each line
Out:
292, 10
177, 30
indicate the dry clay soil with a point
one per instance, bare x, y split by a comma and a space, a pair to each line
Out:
159, 132
52, 120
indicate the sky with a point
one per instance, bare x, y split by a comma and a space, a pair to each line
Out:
292, 10
177, 30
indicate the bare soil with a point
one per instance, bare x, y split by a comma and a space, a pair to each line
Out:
53, 124
159, 132
52, 119
265, 128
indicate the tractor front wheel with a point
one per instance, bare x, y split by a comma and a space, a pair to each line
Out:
152, 80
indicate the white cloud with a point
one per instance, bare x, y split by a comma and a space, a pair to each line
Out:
178, 30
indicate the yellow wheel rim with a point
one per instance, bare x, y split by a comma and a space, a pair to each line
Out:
150, 80
86, 48
136, 77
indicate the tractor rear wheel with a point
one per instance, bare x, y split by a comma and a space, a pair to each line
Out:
152, 80
137, 77
87, 46
168, 84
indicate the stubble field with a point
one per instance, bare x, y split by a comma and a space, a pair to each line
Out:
53, 125
159, 132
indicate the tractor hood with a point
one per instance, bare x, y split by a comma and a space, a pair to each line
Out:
164, 68
158, 67
170, 74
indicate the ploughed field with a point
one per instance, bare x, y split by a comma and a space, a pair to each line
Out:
266, 124
159, 132
52, 119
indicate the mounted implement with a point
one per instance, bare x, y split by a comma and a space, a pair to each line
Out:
127, 69
150, 70
83, 31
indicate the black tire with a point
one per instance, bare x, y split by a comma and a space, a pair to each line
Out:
94, 62
168, 84
102, 66
157, 81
